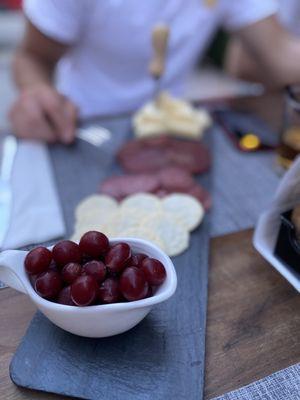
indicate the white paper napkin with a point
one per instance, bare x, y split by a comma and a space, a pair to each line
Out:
266, 232
36, 215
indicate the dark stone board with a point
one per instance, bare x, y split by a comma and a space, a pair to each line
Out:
163, 357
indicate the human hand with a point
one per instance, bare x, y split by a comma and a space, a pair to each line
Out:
42, 113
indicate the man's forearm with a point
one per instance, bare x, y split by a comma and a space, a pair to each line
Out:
274, 50
29, 70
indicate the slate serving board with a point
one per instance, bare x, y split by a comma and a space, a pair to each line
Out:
162, 357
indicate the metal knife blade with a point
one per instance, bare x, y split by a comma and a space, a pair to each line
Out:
8, 155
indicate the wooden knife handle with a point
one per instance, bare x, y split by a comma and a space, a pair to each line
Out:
160, 35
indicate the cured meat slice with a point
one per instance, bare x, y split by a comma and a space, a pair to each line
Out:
144, 160
202, 195
153, 154
193, 157
122, 186
161, 193
174, 178
161, 141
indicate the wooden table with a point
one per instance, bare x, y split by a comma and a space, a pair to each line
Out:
252, 327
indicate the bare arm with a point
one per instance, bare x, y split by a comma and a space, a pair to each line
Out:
240, 64
273, 54
40, 112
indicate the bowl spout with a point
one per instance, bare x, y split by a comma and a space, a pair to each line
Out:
11, 269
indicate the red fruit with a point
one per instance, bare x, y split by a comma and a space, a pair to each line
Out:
48, 284
96, 269
70, 272
109, 291
117, 257
94, 244
65, 252
38, 260
53, 266
150, 292
32, 279
136, 260
154, 271
132, 284
84, 290
64, 297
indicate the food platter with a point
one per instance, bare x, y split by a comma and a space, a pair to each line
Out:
163, 357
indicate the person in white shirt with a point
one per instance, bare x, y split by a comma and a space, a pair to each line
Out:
99, 53
240, 63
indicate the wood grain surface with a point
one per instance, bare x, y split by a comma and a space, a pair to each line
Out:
252, 327
253, 317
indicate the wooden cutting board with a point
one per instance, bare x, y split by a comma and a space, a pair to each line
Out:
161, 358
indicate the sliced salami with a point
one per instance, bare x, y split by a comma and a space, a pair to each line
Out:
174, 179
193, 157
202, 195
161, 193
153, 154
111, 187
122, 186
145, 160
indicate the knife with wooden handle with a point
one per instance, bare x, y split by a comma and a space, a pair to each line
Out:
160, 36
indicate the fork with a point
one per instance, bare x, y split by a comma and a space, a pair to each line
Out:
95, 135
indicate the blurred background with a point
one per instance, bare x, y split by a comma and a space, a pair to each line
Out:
208, 81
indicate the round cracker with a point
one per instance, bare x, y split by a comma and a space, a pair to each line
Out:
96, 203
95, 217
106, 226
186, 208
141, 202
174, 236
143, 233
129, 218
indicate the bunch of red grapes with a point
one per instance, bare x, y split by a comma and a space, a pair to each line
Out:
93, 272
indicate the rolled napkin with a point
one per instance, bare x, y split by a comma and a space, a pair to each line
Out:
169, 115
36, 214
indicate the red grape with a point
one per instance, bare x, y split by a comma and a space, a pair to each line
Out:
93, 271
133, 285
32, 279
64, 297
109, 291
154, 271
53, 266
65, 252
84, 290
117, 257
38, 260
136, 260
94, 244
150, 291
70, 272
96, 269
48, 284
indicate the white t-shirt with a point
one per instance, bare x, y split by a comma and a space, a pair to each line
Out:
106, 69
289, 15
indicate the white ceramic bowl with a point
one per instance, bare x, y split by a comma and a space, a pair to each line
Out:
92, 321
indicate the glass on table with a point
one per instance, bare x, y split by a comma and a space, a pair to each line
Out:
289, 147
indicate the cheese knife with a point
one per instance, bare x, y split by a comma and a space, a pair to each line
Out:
160, 36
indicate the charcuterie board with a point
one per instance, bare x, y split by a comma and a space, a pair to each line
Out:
161, 358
